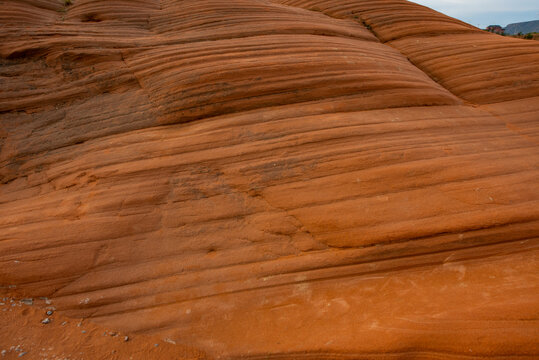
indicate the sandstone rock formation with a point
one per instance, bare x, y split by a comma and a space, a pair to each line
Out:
317, 179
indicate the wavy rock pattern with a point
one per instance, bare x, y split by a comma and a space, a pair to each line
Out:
477, 66
291, 179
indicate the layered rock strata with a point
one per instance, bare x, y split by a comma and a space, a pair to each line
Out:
288, 179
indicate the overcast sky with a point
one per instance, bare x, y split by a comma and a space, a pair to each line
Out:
482, 13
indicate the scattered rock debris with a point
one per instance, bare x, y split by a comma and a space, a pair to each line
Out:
24, 325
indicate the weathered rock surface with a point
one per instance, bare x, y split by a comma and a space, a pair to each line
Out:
25, 334
289, 179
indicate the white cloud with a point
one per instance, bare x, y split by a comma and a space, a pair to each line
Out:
478, 6
485, 12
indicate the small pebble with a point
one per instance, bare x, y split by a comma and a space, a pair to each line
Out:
156, 345
83, 331
3, 352
49, 312
126, 338
46, 321
22, 354
27, 301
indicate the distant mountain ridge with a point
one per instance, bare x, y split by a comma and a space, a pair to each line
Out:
522, 27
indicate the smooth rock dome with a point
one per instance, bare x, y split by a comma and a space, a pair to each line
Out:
245, 179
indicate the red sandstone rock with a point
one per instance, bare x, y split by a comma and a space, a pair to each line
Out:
254, 179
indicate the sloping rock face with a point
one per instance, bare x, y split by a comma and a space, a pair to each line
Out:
257, 179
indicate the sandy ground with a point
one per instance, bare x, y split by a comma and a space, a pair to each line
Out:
24, 335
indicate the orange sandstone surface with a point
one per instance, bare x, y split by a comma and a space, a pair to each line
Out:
245, 179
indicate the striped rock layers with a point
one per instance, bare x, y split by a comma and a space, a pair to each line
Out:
289, 179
